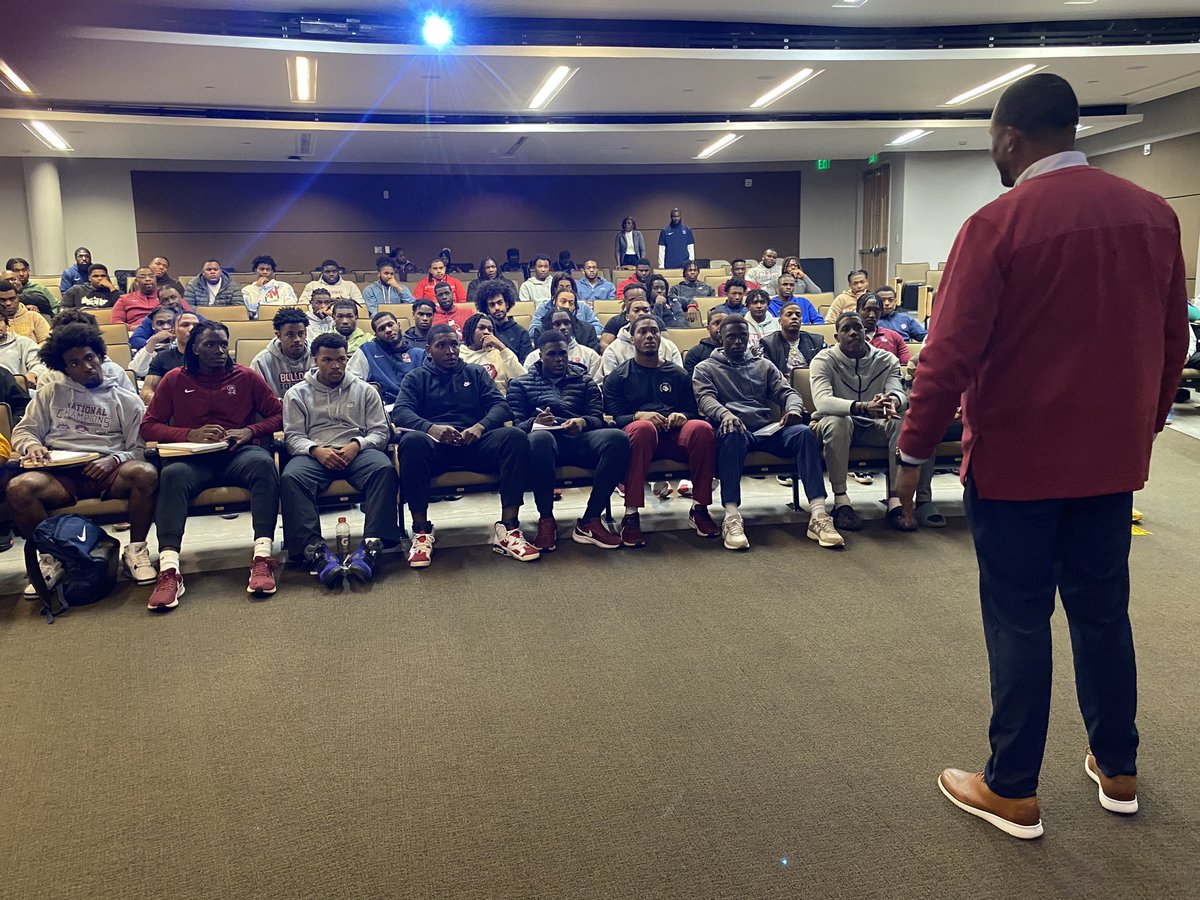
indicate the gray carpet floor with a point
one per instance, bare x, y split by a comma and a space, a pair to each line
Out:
673, 722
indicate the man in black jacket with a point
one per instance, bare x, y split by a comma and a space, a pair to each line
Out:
789, 347
652, 400
496, 298
454, 418
705, 348
560, 406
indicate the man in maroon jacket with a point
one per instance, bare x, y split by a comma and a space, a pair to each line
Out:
212, 401
1054, 445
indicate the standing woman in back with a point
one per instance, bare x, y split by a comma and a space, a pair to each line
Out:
629, 245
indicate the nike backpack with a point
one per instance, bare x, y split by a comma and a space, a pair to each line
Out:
89, 557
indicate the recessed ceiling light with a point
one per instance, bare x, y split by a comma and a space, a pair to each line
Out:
554, 83
908, 137
718, 145
47, 135
302, 79
15, 82
785, 87
988, 86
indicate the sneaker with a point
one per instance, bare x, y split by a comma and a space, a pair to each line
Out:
846, 519
703, 522
662, 489
168, 588
863, 477
137, 564
510, 542
52, 572
324, 564
785, 480
685, 488
546, 538
420, 552
262, 576
822, 530
620, 490
1117, 794
364, 562
733, 533
593, 532
631, 531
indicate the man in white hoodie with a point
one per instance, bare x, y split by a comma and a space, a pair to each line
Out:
286, 360
335, 426
622, 348
84, 412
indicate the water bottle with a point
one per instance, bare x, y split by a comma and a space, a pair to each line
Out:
343, 537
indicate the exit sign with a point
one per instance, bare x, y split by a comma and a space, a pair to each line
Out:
822, 165
872, 159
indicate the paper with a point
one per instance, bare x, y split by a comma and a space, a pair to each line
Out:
61, 458
768, 430
537, 426
190, 448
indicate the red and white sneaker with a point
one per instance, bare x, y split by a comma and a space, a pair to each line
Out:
546, 538
512, 543
420, 552
685, 488
168, 588
262, 576
662, 489
593, 532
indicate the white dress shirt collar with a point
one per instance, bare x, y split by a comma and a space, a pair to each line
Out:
1052, 163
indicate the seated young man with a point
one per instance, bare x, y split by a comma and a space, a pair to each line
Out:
84, 411
423, 312
496, 298
212, 401
448, 312
593, 286
642, 271
162, 333
266, 290
669, 310
320, 315
108, 368
707, 345
895, 318
19, 354
760, 321
536, 287
688, 291
345, 323
131, 308
737, 272
652, 400
735, 391
387, 289
333, 284
386, 359
568, 326
167, 354
565, 298
454, 416
21, 320
622, 348
481, 347
790, 347
335, 427
286, 359
860, 401
97, 292
560, 393
869, 310
848, 299
168, 298
787, 294
734, 290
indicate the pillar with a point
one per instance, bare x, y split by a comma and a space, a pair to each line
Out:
43, 197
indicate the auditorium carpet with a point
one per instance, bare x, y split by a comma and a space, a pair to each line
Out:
674, 722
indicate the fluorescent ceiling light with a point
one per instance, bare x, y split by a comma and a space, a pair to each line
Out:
718, 145
302, 79
849, 4
908, 137
989, 86
785, 87
47, 135
16, 83
1079, 128
554, 83
1078, 2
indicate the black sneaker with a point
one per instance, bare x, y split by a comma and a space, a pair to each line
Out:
364, 562
846, 519
324, 564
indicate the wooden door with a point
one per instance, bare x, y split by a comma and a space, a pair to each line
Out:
873, 252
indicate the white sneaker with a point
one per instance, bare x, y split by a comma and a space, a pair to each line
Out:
821, 529
685, 488
136, 563
52, 571
662, 489
733, 533
420, 553
512, 543
863, 477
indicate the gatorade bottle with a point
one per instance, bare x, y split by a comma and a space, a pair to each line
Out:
343, 537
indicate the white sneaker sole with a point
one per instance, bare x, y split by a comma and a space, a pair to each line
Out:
174, 603
744, 545
419, 563
588, 539
142, 581
504, 551
825, 542
1124, 807
1024, 832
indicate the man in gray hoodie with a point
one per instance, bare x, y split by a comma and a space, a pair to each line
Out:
286, 360
860, 401
84, 412
335, 427
735, 391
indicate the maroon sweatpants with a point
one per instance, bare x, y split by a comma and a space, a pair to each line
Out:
695, 444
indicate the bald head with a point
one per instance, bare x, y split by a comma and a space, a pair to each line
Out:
1034, 118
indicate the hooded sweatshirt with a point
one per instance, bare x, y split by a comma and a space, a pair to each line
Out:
280, 371
415, 338
19, 355
746, 389
838, 381
622, 349
235, 398
462, 397
502, 365
32, 325
317, 415
273, 293
386, 366
515, 337
65, 415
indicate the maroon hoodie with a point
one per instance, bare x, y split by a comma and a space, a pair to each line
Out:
231, 399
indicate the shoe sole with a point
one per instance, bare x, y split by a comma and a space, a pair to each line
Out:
633, 544
332, 580
174, 603
496, 548
143, 581
735, 549
1024, 832
1122, 807
419, 564
261, 592
359, 577
588, 539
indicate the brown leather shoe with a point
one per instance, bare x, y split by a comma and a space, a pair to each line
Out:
970, 793
1117, 794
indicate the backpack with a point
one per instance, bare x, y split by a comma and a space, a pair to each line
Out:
89, 557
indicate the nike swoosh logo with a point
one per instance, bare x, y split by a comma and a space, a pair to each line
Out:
82, 537
189, 390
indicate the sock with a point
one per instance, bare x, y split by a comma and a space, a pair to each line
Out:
841, 500
169, 559
631, 511
262, 546
893, 502
425, 527
511, 524
816, 507
731, 509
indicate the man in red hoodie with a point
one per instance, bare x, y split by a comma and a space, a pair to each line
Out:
425, 289
1054, 445
209, 400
